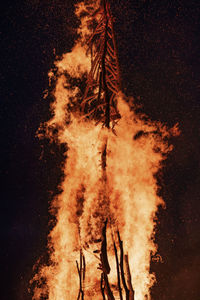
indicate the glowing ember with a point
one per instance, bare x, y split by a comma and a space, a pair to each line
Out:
109, 192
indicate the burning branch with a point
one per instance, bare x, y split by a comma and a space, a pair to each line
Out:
105, 264
118, 271
81, 272
131, 291
103, 255
122, 266
102, 287
104, 75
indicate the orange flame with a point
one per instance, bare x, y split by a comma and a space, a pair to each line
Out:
128, 200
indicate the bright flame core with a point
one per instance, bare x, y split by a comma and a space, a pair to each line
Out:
128, 200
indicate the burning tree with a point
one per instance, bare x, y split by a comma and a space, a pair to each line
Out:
103, 240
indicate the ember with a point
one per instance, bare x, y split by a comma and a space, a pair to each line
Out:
103, 241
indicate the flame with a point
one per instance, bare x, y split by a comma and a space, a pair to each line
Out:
128, 198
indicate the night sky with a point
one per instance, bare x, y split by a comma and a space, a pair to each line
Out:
159, 50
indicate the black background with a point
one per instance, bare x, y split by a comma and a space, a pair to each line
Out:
158, 45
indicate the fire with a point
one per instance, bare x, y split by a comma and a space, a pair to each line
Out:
109, 191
